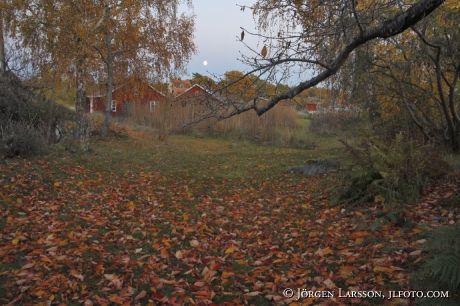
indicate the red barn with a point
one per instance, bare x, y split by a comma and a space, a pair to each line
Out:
125, 98
311, 107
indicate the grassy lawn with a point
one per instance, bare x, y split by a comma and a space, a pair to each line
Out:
186, 221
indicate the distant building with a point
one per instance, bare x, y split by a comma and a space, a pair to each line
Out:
124, 98
177, 87
312, 107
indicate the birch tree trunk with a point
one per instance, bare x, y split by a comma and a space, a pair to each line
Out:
108, 103
80, 99
2, 47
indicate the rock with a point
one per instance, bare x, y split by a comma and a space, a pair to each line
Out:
295, 169
315, 167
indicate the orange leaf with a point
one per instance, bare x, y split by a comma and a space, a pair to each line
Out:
327, 251
359, 234
384, 269
229, 250
116, 299
226, 274
346, 270
164, 253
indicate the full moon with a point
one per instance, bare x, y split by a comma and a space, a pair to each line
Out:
205, 63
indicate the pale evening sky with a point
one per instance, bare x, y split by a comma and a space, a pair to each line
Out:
217, 29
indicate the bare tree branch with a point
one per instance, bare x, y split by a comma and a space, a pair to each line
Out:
386, 29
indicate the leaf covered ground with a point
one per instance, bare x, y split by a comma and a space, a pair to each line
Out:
197, 222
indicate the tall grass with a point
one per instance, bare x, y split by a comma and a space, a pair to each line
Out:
334, 122
278, 126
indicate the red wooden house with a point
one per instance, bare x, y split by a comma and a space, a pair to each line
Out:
193, 95
125, 98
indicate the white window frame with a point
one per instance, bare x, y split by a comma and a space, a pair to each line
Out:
153, 104
136, 90
114, 106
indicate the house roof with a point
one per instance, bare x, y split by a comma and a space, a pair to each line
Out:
190, 88
157, 91
181, 83
102, 92
98, 94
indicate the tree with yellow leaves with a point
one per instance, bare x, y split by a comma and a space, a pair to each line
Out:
141, 38
146, 38
203, 80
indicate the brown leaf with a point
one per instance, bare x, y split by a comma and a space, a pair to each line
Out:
251, 294
141, 295
27, 266
264, 52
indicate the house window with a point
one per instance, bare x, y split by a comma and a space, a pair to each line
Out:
152, 106
136, 90
114, 106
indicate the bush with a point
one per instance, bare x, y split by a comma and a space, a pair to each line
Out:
19, 139
29, 122
387, 173
326, 123
96, 121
